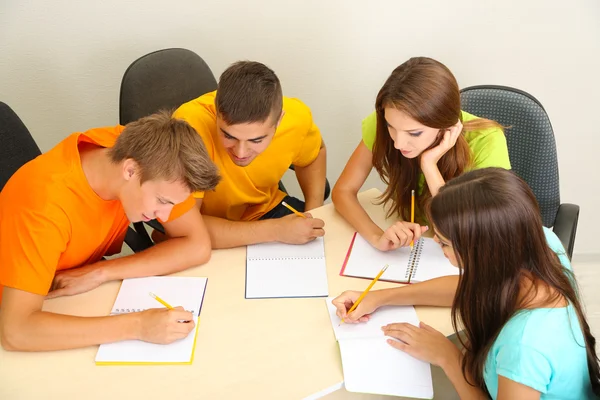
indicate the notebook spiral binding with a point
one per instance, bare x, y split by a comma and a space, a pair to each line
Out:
118, 311
413, 259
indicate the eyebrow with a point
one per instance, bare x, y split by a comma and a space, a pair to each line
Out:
250, 140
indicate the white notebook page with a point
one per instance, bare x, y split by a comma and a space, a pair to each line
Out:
433, 263
372, 328
187, 292
277, 270
365, 261
373, 366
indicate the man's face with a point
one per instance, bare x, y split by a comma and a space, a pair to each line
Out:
244, 142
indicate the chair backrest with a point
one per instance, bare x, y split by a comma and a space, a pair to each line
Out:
164, 79
530, 139
17, 145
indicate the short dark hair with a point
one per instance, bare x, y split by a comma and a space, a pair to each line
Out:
248, 91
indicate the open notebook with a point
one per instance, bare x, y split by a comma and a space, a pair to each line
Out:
187, 292
426, 261
286, 270
371, 365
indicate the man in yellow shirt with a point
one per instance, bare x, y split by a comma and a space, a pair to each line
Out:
253, 134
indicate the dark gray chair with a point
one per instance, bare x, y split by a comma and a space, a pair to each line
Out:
165, 79
18, 148
531, 148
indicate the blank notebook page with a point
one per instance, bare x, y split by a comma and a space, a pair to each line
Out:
366, 261
276, 270
372, 328
133, 296
432, 262
373, 366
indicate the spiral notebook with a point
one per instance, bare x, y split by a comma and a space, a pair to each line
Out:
426, 261
187, 292
371, 365
276, 270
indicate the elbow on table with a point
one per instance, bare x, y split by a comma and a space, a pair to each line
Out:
12, 340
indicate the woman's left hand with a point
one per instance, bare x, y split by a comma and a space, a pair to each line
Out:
424, 342
432, 156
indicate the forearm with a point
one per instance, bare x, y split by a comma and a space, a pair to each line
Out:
312, 181
170, 256
453, 370
226, 234
346, 203
434, 178
437, 292
44, 331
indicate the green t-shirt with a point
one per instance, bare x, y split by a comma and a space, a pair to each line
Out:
488, 146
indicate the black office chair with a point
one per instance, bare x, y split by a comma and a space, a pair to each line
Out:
165, 79
18, 148
531, 148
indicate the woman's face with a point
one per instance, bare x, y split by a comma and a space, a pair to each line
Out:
446, 248
410, 137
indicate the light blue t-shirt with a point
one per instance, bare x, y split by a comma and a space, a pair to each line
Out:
542, 348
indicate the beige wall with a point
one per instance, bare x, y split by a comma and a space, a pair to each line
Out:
61, 62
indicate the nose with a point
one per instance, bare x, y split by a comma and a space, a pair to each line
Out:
398, 143
241, 151
164, 212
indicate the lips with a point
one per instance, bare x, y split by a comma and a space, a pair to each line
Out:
145, 219
236, 158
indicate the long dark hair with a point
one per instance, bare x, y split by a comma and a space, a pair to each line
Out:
492, 219
426, 91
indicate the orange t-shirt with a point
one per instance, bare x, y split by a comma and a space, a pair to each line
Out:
51, 219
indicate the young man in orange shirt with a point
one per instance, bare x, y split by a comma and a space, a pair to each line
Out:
254, 134
63, 211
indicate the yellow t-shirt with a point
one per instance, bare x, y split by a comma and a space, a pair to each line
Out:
247, 193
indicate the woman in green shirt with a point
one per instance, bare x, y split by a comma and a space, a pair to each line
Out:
417, 139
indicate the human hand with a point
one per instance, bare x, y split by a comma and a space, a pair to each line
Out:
76, 280
398, 235
293, 229
423, 343
432, 156
362, 312
163, 326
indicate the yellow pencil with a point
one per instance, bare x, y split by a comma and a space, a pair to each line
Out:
161, 301
362, 296
293, 210
412, 213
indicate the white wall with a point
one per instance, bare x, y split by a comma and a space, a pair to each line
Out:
61, 62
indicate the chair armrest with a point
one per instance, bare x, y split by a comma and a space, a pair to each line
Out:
565, 226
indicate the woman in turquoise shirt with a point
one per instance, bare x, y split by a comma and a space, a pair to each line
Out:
416, 139
525, 333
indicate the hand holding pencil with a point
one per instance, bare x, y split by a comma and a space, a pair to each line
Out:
297, 227
358, 303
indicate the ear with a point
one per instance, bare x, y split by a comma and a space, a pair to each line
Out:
280, 118
130, 169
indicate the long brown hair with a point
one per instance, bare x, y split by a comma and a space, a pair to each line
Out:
492, 219
426, 91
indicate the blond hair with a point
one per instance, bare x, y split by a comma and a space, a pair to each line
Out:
166, 148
